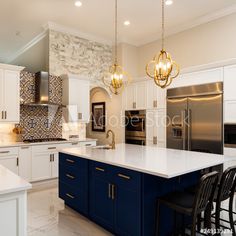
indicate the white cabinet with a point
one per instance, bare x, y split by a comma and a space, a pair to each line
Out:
9, 158
230, 111
54, 164
135, 96
41, 166
10, 93
76, 96
229, 83
156, 96
156, 127
25, 153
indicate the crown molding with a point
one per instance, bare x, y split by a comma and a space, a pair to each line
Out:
189, 25
29, 45
67, 30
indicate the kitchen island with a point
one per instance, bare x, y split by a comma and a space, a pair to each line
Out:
118, 188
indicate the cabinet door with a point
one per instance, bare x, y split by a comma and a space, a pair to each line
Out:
141, 95
230, 112
229, 82
25, 163
10, 162
12, 96
55, 163
41, 166
101, 204
160, 127
1, 94
127, 212
130, 97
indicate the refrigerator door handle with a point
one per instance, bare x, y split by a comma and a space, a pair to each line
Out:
189, 129
184, 128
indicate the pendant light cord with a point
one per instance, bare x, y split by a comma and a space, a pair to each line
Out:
163, 24
116, 32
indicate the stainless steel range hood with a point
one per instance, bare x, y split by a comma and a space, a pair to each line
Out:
42, 90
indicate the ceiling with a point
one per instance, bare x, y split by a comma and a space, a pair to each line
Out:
21, 21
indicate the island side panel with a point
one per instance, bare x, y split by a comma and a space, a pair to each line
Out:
155, 187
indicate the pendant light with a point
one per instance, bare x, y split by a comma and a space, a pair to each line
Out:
116, 78
162, 68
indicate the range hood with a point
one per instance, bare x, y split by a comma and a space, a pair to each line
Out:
42, 90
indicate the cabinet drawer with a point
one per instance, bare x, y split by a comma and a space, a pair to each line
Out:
73, 177
127, 178
48, 147
78, 200
9, 151
74, 162
100, 169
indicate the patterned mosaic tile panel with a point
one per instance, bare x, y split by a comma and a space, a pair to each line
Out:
40, 122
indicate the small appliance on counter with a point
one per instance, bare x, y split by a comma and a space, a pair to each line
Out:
135, 131
230, 135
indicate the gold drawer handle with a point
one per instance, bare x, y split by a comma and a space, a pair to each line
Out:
70, 196
70, 161
4, 152
70, 176
76, 143
124, 176
52, 148
99, 169
24, 147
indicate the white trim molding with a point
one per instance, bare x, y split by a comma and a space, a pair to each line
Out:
29, 45
11, 67
67, 30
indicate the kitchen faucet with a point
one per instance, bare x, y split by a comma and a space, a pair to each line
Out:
113, 144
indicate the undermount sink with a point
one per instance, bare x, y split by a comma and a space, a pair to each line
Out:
105, 147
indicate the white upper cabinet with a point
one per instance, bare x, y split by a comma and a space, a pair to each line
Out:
229, 82
10, 93
76, 96
134, 96
156, 96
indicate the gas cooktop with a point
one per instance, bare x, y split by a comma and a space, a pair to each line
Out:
44, 140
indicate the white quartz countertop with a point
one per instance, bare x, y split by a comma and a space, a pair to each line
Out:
163, 162
4, 144
10, 182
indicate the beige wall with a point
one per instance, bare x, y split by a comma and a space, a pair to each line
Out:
204, 44
113, 116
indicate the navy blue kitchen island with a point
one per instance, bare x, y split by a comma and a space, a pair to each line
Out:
121, 200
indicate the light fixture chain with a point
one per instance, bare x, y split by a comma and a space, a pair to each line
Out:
163, 24
116, 31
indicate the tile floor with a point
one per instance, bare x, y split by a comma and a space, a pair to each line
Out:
47, 216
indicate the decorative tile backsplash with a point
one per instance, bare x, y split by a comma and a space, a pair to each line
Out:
40, 122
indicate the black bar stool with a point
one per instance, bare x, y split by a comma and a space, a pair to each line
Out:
225, 190
192, 204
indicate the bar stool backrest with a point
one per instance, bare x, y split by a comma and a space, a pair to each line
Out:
227, 184
205, 192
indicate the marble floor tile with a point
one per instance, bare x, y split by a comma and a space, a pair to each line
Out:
47, 216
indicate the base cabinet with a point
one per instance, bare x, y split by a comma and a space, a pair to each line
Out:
113, 193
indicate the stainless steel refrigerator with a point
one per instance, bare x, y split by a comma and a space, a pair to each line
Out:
195, 118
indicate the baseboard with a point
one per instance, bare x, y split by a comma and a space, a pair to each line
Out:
43, 185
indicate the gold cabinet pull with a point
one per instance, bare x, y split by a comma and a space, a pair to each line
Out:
109, 190
52, 148
99, 169
75, 143
155, 103
2, 115
88, 144
70, 176
124, 176
154, 139
70, 196
4, 152
70, 161
112, 191
5, 115
24, 147
17, 161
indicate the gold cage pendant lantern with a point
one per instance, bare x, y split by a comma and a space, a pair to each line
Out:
162, 68
116, 79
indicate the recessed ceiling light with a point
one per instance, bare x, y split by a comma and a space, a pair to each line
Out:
169, 2
78, 3
126, 23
